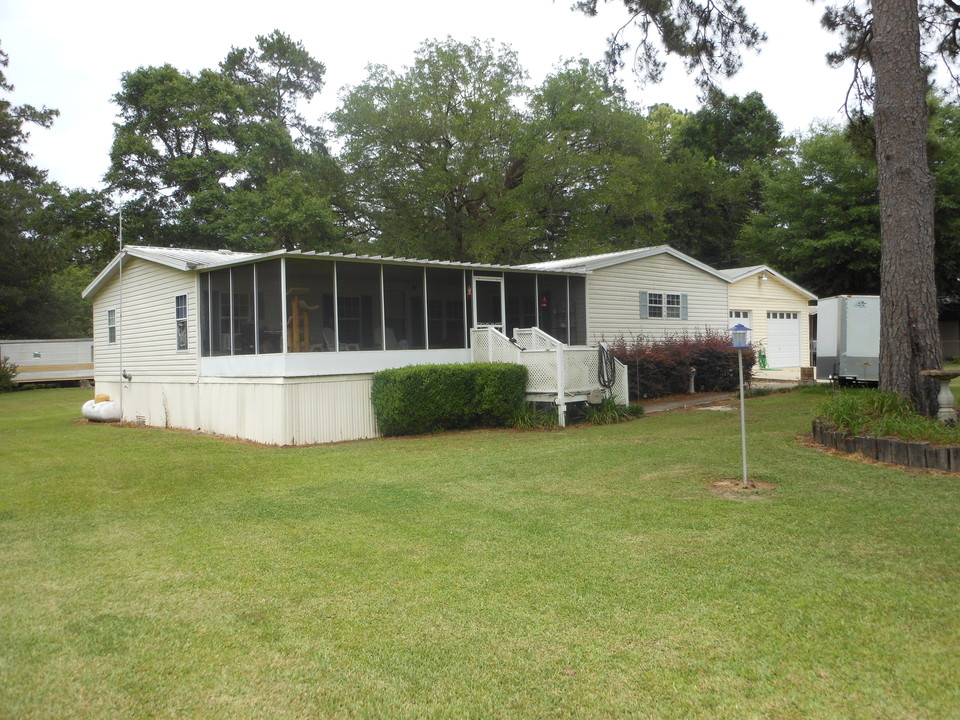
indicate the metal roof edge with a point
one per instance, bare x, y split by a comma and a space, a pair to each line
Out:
605, 260
147, 254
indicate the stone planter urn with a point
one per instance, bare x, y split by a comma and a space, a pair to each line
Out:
946, 413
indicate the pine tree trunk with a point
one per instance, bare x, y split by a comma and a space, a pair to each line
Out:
909, 334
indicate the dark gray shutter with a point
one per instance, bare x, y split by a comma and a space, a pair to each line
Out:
644, 306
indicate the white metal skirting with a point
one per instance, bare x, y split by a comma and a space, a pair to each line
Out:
333, 408
274, 411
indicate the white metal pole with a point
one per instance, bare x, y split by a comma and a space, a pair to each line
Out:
120, 311
743, 420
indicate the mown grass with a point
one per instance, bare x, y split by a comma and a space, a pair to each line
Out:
588, 572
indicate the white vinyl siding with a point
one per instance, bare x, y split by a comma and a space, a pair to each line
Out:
612, 299
145, 333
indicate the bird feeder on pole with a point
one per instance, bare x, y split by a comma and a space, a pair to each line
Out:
739, 333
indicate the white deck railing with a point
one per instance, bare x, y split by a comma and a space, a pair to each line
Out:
560, 372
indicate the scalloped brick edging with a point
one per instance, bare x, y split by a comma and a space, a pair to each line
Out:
890, 450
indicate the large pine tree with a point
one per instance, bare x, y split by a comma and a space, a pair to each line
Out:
882, 36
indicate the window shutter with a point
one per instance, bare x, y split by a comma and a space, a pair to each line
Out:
644, 307
683, 306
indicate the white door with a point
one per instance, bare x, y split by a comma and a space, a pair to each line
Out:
783, 339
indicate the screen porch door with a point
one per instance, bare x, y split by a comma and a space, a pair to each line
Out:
488, 303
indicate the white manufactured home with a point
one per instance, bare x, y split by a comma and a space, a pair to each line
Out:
281, 347
50, 361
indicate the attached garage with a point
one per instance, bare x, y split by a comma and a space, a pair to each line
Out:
783, 339
776, 309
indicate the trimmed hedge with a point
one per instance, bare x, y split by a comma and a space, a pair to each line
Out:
660, 367
428, 398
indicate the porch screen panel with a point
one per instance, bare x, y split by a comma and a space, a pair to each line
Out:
578, 310
520, 292
310, 305
553, 306
244, 322
203, 312
403, 308
358, 306
269, 307
445, 308
220, 313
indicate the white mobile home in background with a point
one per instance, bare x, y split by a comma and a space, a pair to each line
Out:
50, 361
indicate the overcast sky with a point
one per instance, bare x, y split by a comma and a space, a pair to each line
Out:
70, 55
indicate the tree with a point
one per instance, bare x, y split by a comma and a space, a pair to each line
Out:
204, 160
456, 158
48, 237
885, 37
717, 157
14, 159
592, 179
280, 74
429, 151
820, 222
739, 133
943, 143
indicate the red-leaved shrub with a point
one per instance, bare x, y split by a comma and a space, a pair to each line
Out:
657, 367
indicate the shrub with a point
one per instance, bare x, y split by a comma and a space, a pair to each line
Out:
661, 366
609, 411
427, 398
867, 411
531, 417
8, 371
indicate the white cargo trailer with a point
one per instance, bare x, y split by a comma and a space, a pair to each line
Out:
848, 339
50, 361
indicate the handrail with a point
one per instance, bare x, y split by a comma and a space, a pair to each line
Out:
533, 348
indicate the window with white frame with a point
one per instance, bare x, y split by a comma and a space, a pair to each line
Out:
111, 326
180, 305
663, 305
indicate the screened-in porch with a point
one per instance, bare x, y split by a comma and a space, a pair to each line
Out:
324, 304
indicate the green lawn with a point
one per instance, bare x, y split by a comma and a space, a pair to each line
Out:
585, 573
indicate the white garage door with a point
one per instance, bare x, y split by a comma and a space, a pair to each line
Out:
783, 339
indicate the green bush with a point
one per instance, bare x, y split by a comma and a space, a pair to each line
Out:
427, 398
8, 371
